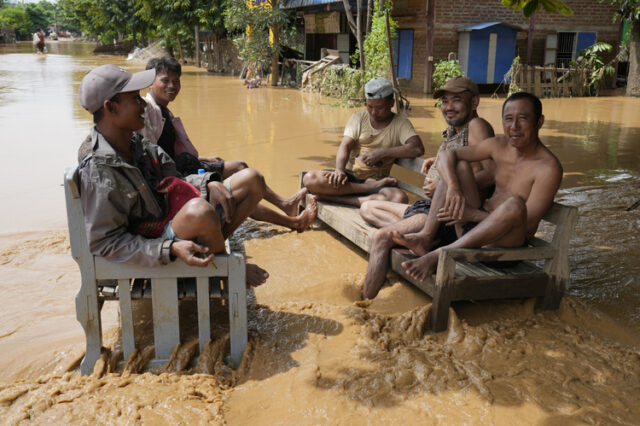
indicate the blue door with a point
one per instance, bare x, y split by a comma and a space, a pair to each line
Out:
403, 53
585, 40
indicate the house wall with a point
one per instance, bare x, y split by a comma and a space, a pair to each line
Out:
589, 15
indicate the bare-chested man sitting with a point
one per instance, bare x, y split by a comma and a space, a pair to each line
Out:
373, 139
527, 177
459, 103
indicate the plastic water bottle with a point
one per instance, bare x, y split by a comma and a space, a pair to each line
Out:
200, 171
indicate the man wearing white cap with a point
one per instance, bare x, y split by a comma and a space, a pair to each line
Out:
373, 139
137, 207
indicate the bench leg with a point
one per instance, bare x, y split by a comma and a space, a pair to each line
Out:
166, 325
204, 325
553, 293
126, 318
439, 318
88, 315
237, 307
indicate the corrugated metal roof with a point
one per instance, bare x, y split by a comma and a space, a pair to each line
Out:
484, 25
290, 4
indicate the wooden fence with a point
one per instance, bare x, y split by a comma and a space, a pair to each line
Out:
551, 82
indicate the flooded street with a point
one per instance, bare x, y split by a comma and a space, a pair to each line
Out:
314, 356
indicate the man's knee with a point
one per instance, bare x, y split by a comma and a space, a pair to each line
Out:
199, 213
464, 167
254, 179
393, 195
367, 209
235, 166
311, 179
515, 209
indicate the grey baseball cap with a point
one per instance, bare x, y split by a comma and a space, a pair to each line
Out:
104, 82
378, 88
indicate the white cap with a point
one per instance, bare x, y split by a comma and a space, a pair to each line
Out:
378, 88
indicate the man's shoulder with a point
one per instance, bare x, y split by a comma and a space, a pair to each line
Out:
479, 129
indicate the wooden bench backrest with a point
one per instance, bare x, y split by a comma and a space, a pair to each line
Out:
75, 217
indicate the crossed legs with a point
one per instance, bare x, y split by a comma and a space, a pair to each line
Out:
352, 193
379, 255
289, 206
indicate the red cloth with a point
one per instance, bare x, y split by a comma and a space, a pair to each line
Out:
177, 192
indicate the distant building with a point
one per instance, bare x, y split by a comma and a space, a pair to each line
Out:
484, 35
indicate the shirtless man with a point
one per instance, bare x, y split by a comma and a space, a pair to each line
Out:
527, 177
459, 105
373, 139
163, 128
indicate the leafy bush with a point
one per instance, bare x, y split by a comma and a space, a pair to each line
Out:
589, 61
444, 71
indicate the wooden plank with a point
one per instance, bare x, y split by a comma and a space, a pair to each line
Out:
507, 287
237, 307
204, 325
106, 269
400, 255
442, 298
126, 318
504, 254
166, 327
346, 220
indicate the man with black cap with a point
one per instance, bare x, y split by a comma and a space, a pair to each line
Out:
373, 139
459, 102
137, 207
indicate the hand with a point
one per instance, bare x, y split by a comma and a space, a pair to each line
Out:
427, 163
454, 204
220, 196
191, 253
372, 158
337, 179
430, 187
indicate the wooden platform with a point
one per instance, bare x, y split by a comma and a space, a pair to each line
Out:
539, 270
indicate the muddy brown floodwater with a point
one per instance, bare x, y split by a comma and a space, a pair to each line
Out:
314, 356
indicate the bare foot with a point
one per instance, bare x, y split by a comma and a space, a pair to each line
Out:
256, 275
379, 183
422, 267
414, 242
306, 218
290, 205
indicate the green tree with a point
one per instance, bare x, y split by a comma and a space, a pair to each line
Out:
250, 26
17, 18
630, 10
41, 14
529, 7
376, 49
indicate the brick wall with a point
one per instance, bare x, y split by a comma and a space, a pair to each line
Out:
589, 15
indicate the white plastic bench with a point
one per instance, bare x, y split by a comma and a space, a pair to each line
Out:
164, 297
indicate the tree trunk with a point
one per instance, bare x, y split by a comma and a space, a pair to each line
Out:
180, 49
275, 72
355, 27
359, 29
197, 43
209, 43
633, 78
369, 14
428, 69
